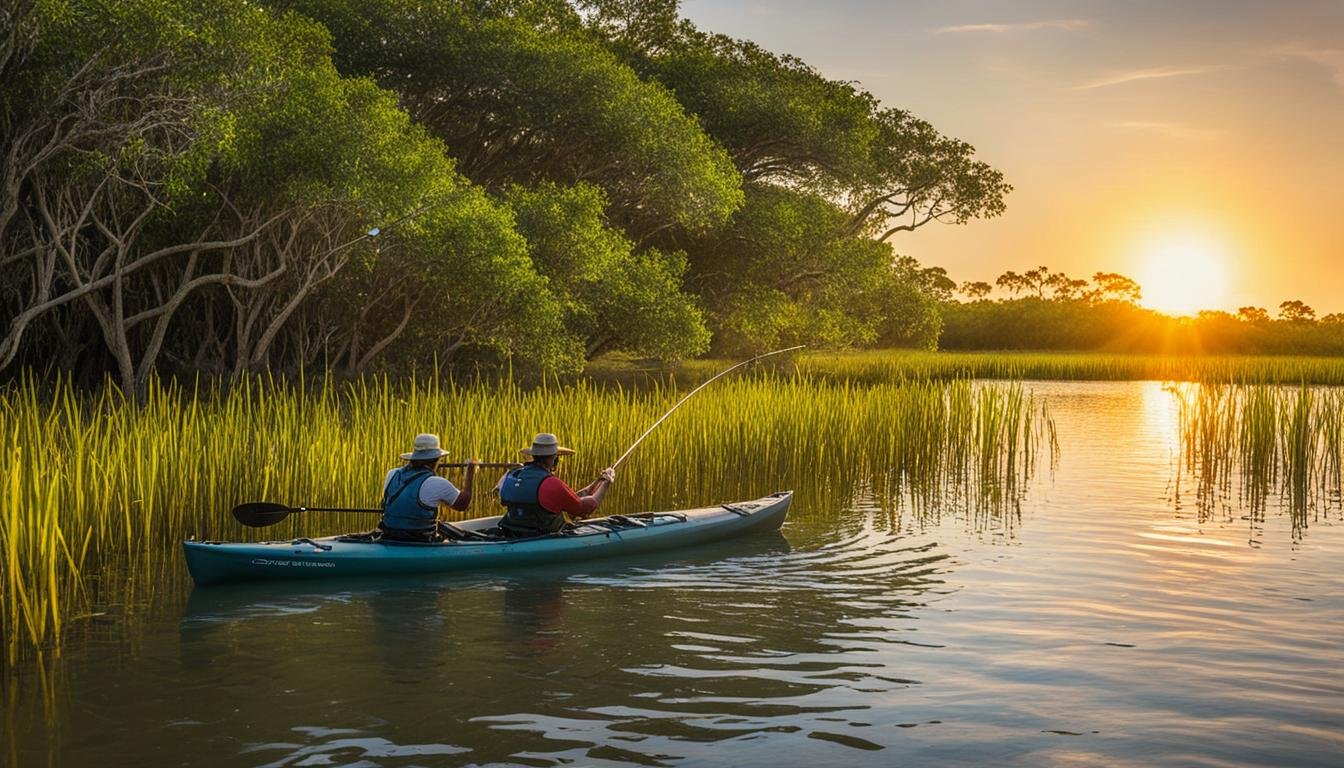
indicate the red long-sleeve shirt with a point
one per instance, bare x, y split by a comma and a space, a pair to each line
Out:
556, 497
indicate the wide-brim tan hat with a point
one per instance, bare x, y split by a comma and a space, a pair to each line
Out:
546, 444
426, 447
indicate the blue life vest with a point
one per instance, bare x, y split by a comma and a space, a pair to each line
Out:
402, 508
521, 496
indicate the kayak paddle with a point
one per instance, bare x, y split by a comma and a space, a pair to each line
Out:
260, 514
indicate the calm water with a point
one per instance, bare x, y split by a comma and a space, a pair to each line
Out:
1114, 621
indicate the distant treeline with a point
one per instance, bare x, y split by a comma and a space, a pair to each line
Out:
1062, 313
232, 186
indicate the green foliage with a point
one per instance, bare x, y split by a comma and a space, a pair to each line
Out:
783, 272
916, 176
522, 102
614, 298
551, 179
779, 118
460, 279
828, 170
642, 309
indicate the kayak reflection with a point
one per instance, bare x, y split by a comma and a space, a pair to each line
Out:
534, 612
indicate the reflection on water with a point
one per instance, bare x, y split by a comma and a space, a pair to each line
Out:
1092, 616
1257, 449
635, 661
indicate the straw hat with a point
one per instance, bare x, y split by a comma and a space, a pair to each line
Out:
546, 444
426, 447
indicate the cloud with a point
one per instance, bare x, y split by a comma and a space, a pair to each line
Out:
1172, 130
1068, 25
1152, 73
1332, 59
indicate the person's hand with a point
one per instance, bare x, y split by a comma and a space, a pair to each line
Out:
609, 474
472, 465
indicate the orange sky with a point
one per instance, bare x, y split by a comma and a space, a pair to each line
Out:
1121, 125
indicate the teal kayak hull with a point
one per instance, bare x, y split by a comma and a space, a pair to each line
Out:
212, 562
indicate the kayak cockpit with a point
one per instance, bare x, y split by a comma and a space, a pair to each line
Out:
473, 532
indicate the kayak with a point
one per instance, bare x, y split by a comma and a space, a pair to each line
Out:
474, 547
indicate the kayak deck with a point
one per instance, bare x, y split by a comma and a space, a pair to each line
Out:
212, 562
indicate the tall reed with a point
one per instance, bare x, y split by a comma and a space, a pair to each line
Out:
94, 485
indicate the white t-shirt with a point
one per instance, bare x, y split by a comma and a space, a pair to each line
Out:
435, 489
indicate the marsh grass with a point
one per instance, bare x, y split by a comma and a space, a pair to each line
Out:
98, 492
890, 366
1261, 443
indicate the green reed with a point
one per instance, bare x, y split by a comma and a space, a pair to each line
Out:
98, 489
876, 366
1268, 440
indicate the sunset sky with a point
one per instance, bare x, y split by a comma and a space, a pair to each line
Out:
1136, 134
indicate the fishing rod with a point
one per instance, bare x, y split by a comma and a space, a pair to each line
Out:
690, 394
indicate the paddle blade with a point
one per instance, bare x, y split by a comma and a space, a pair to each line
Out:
259, 514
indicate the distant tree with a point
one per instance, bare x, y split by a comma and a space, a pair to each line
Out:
1333, 318
1253, 315
976, 290
1012, 282
1037, 279
1110, 286
1296, 312
1064, 287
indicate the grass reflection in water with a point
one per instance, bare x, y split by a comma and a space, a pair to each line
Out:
1250, 447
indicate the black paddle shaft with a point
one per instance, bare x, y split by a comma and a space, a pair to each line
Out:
260, 514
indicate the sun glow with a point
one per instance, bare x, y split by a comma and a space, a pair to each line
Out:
1183, 273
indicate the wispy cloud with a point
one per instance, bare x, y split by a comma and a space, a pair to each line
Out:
1332, 59
1172, 130
1152, 73
1067, 25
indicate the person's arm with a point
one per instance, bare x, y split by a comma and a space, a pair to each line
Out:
558, 498
591, 488
463, 499
592, 495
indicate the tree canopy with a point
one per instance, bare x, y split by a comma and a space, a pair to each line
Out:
235, 186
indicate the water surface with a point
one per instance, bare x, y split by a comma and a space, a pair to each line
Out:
1112, 619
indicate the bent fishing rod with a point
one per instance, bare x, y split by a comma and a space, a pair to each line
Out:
691, 394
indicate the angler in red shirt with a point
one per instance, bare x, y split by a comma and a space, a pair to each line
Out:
536, 501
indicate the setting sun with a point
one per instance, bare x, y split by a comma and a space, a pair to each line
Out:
1183, 273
